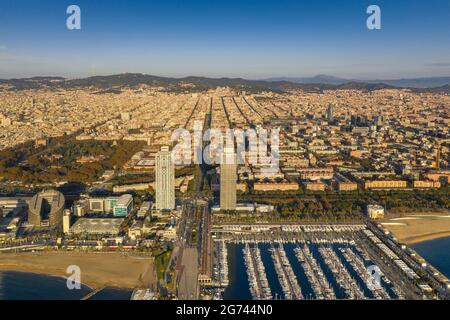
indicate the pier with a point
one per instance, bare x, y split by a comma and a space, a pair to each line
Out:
92, 293
357, 264
341, 274
286, 275
259, 285
319, 283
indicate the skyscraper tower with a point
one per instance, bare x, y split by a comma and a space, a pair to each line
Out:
228, 177
330, 116
165, 180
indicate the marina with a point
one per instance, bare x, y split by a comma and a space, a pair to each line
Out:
308, 262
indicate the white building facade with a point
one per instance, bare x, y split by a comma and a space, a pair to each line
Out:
165, 180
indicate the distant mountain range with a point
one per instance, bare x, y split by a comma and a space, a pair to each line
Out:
432, 82
322, 78
312, 84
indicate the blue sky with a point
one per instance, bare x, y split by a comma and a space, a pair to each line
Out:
232, 38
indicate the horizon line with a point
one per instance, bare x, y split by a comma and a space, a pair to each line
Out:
267, 79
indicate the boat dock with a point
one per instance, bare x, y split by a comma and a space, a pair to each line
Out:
357, 264
286, 276
321, 287
259, 285
341, 274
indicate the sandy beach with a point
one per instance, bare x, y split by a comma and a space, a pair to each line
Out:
97, 269
415, 228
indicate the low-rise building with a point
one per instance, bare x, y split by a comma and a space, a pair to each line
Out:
375, 212
315, 185
385, 184
136, 230
145, 209
124, 206
275, 186
131, 187
316, 173
345, 184
426, 184
170, 233
438, 175
119, 206
96, 226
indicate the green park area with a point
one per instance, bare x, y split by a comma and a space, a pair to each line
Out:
162, 259
65, 159
345, 206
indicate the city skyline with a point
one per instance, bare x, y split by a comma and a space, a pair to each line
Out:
224, 150
226, 39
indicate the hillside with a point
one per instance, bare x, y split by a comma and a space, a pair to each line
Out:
134, 80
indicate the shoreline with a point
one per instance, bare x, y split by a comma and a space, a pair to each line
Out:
426, 237
111, 270
414, 228
91, 285
52, 276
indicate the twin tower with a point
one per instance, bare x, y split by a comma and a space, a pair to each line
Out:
165, 180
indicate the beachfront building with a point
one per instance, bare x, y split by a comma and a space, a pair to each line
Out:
118, 206
375, 211
97, 226
123, 206
46, 209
